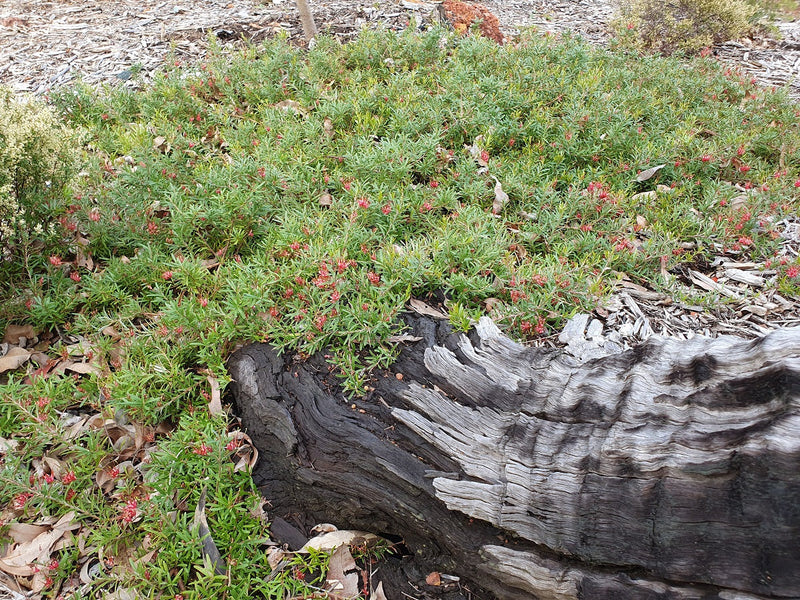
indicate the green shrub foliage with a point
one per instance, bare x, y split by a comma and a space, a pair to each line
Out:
35, 163
682, 26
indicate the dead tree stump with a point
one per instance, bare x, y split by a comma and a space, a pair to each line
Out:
670, 471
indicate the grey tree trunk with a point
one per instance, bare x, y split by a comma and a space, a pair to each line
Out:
306, 19
670, 471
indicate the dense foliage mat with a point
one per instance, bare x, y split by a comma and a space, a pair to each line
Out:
303, 198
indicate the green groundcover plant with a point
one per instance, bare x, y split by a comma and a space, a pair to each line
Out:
302, 198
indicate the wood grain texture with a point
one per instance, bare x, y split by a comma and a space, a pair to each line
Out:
668, 471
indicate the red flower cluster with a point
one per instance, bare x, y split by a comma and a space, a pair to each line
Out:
129, 511
202, 450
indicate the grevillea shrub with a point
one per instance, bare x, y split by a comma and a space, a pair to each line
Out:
682, 26
35, 163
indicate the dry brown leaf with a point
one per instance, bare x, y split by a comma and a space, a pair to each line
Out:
245, 451
215, 403
146, 558
490, 303
476, 152
433, 578
144, 434
21, 559
211, 555
122, 594
76, 429
421, 308
84, 259
739, 201
500, 197
82, 348
120, 436
82, 368
645, 175
105, 480
652, 194
403, 337
52, 466
641, 196
14, 359
116, 354
109, 331
14, 332
25, 532
38, 582
7, 446
324, 528
325, 199
334, 539
97, 421
160, 143
520, 251
258, 512
90, 570
641, 221
41, 359
275, 556
342, 576
327, 126
378, 594
291, 106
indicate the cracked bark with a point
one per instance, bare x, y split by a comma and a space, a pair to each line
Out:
667, 471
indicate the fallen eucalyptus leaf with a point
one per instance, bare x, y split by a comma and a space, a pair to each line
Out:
378, 594
334, 539
421, 308
215, 403
641, 196
15, 358
14, 332
342, 575
645, 175
211, 555
160, 143
477, 152
403, 337
82, 368
22, 559
291, 106
122, 594
25, 532
500, 197
274, 557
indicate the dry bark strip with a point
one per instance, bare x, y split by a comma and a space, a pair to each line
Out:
669, 471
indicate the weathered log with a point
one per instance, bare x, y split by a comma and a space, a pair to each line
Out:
669, 471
